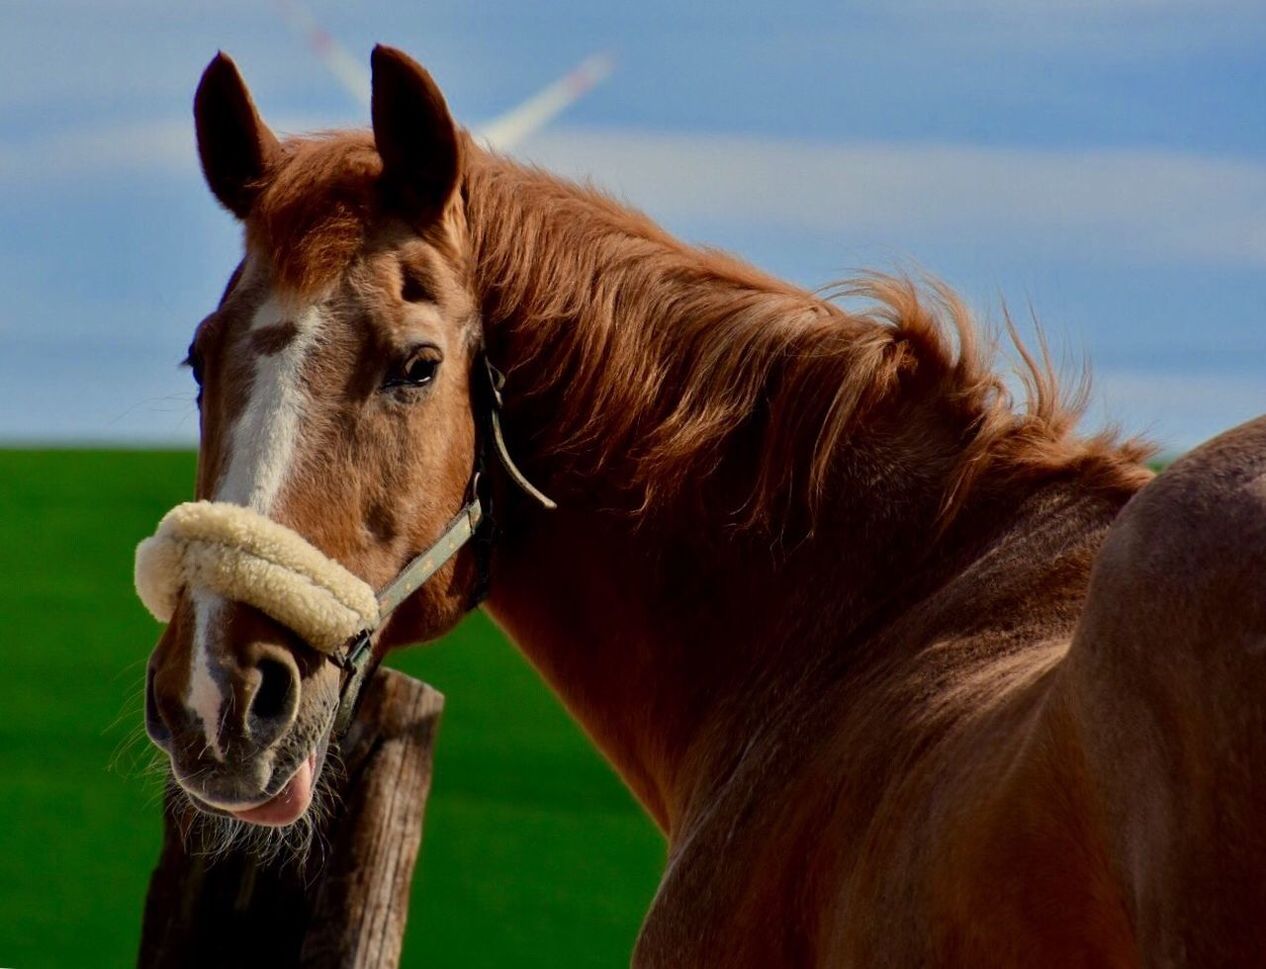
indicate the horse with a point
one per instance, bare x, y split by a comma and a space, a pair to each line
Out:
908, 670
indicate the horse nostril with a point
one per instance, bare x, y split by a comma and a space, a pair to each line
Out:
275, 702
155, 725
274, 688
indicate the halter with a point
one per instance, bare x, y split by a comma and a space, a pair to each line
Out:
245, 556
352, 658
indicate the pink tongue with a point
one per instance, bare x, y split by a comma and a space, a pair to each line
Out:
290, 802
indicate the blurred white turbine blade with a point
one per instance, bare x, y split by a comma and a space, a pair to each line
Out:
502, 132
353, 75
509, 129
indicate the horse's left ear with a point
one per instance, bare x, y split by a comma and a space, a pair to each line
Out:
415, 136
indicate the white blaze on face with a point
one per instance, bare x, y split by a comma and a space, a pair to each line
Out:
261, 448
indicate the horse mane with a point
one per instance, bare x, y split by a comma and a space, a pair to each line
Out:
665, 356
662, 358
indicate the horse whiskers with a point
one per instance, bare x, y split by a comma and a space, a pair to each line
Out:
127, 749
156, 766
302, 844
133, 702
135, 734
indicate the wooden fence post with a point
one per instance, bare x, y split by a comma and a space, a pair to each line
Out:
346, 909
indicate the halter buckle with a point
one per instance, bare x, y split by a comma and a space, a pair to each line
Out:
351, 657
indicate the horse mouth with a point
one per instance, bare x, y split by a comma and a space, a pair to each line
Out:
287, 805
278, 810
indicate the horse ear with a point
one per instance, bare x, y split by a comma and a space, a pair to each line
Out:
234, 144
415, 136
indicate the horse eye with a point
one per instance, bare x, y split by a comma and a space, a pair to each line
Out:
418, 371
194, 362
421, 372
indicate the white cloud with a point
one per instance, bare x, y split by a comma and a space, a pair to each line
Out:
143, 148
163, 146
1122, 205
1132, 203
1118, 204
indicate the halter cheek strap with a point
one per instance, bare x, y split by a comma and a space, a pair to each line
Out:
474, 520
353, 657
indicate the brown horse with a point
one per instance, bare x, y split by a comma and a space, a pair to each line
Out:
819, 592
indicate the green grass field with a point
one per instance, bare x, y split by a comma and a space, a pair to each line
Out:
534, 854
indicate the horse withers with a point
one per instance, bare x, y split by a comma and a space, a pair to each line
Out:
904, 671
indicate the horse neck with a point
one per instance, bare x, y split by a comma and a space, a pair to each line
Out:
670, 617
672, 650
661, 627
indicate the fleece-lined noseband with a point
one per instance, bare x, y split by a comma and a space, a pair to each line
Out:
245, 556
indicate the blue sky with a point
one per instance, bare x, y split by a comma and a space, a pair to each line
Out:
1103, 163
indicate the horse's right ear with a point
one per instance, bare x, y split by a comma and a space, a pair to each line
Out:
234, 144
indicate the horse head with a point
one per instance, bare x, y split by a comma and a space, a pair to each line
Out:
335, 391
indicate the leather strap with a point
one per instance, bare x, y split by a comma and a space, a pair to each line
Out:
353, 658
411, 578
496, 382
414, 575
